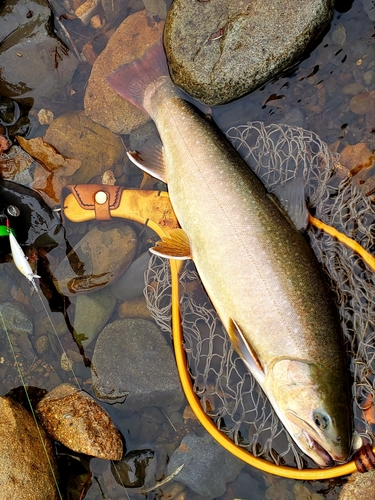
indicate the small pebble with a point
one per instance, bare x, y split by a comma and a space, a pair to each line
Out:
339, 35
45, 116
42, 344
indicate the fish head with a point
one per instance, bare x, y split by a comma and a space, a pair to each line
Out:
313, 404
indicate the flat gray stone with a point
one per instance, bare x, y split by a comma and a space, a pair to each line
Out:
34, 62
208, 467
132, 360
97, 259
92, 312
229, 48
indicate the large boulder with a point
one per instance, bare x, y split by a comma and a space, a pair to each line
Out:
220, 50
27, 466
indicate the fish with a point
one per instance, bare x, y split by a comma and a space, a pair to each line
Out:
21, 262
257, 268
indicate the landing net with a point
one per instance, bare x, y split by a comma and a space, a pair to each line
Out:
228, 392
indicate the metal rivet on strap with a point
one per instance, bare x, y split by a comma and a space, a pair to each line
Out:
101, 197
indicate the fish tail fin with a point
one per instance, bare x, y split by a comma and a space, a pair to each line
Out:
131, 80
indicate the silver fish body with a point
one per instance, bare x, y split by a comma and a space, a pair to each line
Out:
260, 275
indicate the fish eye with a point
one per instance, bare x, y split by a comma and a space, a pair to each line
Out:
321, 420
13, 211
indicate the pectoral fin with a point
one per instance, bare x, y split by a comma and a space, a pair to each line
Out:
150, 159
174, 246
245, 350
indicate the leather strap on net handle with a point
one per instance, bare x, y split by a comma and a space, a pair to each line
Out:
153, 208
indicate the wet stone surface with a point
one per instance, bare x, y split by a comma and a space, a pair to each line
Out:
90, 264
133, 360
231, 47
209, 475
75, 135
75, 419
92, 312
103, 104
134, 467
26, 29
25, 470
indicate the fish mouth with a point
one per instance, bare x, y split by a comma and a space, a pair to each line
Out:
325, 458
310, 445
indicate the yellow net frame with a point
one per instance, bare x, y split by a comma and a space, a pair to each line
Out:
153, 208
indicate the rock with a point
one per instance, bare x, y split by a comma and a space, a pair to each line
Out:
240, 487
359, 486
74, 418
97, 259
135, 468
16, 318
76, 136
229, 48
133, 360
209, 474
134, 308
25, 470
5, 287
301, 492
131, 39
281, 489
357, 157
152, 420
369, 8
363, 103
109, 488
339, 35
92, 312
28, 41
42, 344
131, 283
15, 165
353, 88
156, 8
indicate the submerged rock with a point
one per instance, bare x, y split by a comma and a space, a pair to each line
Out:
135, 468
131, 283
229, 48
16, 318
74, 418
133, 360
131, 39
34, 61
358, 486
25, 470
208, 475
92, 312
97, 259
76, 136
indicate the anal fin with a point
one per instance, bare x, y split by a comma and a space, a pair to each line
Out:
174, 246
245, 350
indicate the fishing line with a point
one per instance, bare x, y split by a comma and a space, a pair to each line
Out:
34, 287
30, 405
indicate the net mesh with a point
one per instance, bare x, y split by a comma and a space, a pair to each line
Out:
228, 392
